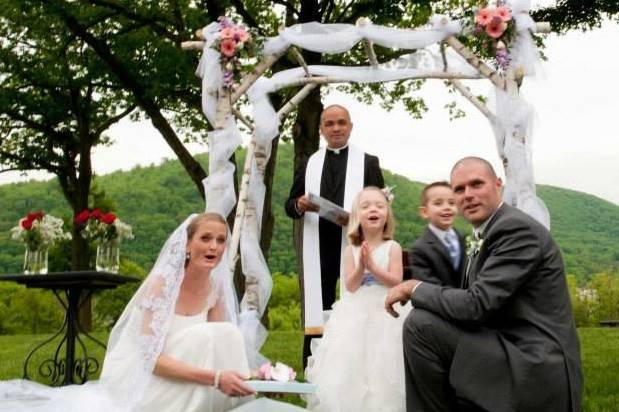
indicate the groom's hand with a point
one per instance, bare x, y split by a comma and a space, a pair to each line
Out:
399, 293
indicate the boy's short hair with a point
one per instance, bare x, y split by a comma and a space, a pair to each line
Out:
424, 192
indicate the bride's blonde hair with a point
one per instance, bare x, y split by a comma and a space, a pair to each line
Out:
354, 232
203, 217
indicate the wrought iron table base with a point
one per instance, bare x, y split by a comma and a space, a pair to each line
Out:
71, 368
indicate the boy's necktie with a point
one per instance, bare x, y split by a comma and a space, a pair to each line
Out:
450, 243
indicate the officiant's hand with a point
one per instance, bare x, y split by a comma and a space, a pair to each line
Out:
399, 293
232, 384
304, 205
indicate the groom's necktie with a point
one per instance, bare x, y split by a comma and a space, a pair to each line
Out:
452, 248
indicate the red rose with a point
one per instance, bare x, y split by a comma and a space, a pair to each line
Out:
96, 214
32, 216
26, 223
82, 217
108, 218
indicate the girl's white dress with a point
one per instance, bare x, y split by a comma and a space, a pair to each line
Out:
358, 365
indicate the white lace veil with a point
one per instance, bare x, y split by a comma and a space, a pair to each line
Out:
137, 338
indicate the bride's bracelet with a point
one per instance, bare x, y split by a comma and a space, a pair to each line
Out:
216, 381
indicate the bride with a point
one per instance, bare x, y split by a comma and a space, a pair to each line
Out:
171, 350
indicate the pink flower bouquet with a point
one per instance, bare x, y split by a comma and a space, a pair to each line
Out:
280, 372
496, 23
235, 44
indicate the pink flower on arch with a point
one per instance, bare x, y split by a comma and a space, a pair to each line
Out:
496, 28
503, 13
228, 47
226, 33
484, 16
241, 35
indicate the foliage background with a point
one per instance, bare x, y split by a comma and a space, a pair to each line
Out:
155, 199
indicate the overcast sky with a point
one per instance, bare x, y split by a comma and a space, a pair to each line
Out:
576, 144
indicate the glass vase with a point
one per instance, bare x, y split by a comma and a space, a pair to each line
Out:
108, 256
35, 261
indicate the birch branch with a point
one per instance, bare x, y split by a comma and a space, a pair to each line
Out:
293, 103
193, 45
242, 203
367, 44
250, 78
466, 92
476, 62
299, 58
242, 118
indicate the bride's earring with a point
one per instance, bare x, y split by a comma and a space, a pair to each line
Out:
187, 257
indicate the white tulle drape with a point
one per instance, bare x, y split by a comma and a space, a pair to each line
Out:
512, 127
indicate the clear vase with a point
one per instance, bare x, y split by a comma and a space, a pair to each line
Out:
35, 261
108, 256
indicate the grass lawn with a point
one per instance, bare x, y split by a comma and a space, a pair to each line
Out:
600, 355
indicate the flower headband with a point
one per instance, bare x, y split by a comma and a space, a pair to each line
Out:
388, 192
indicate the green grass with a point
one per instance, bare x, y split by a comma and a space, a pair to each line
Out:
600, 355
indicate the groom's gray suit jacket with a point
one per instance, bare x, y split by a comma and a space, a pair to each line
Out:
519, 351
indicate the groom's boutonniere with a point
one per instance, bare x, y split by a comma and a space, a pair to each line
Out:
473, 245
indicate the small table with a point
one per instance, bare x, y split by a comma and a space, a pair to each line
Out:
71, 289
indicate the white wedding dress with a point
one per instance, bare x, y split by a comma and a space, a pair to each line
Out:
195, 341
358, 364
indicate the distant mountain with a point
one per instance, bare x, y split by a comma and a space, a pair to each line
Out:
156, 198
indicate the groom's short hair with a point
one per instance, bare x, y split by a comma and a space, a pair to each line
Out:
474, 159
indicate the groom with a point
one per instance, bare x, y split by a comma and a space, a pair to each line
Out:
507, 341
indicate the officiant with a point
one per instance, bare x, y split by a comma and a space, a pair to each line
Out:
336, 173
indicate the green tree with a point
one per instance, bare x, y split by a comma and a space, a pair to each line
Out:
57, 102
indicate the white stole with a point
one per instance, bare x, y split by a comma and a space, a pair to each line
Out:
312, 285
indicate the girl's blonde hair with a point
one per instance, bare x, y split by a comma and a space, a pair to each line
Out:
355, 233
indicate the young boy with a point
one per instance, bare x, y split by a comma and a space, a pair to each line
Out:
438, 256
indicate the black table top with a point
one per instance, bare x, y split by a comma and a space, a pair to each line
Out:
85, 279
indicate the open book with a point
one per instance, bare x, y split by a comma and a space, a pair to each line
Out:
329, 210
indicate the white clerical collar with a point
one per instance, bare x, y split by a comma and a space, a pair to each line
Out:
478, 231
338, 150
440, 233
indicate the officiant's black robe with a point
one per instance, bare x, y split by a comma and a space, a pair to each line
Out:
332, 185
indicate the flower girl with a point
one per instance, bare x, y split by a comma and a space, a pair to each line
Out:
358, 364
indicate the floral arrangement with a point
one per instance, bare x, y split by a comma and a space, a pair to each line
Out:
496, 28
388, 192
102, 226
237, 46
39, 231
473, 245
280, 372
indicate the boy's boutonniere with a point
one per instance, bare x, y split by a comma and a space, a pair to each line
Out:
473, 245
